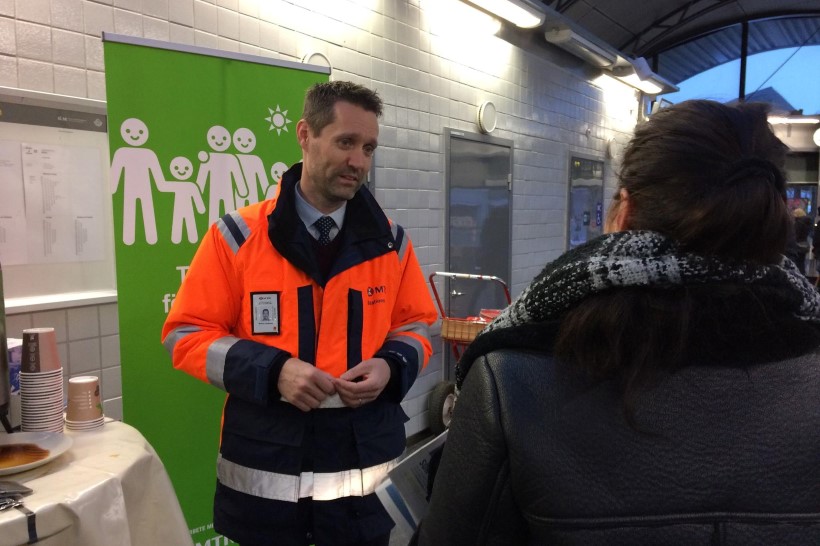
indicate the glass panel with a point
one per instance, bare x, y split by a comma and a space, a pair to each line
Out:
802, 167
691, 65
802, 196
777, 69
586, 200
788, 78
479, 227
783, 76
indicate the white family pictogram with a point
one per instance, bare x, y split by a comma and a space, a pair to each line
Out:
227, 180
136, 166
186, 197
252, 168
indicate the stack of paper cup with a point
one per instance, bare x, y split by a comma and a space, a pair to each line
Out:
41, 382
84, 410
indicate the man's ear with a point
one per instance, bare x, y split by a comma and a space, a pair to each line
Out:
302, 133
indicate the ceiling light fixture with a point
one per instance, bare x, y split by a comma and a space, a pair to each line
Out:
517, 12
456, 18
779, 120
636, 72
579, 46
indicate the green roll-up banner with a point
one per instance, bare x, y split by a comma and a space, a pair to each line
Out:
194, 133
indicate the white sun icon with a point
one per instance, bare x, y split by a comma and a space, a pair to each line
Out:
278, 120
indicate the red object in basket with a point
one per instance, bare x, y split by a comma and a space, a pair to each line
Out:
459, 332
489, 314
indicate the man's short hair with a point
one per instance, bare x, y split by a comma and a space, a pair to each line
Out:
321, 98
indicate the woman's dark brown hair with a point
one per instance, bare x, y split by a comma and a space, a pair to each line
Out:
709, 176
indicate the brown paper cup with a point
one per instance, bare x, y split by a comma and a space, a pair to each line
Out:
40, 351
84, 402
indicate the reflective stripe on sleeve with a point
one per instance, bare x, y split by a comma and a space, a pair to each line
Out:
401, 240
234, 230
177, 334
215, 361
321, 486
418, 328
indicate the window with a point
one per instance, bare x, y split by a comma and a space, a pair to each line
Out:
777, 72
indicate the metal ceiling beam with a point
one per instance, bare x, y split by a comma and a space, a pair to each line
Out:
658, 46
669, 22
560, 5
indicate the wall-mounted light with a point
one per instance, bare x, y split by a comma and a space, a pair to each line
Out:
780, 120
456, 18
581, 47
317, 58
636, 72
487, 117
633, 72
517, 12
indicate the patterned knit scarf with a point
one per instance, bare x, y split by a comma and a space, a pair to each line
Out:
635, 258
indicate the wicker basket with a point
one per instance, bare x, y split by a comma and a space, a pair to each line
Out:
461, 330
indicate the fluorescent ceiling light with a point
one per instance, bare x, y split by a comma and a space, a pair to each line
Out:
581, 47
638, 74
777, 120
516, 12
454, 18
647, 86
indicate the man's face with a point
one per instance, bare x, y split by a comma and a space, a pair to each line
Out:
337, 160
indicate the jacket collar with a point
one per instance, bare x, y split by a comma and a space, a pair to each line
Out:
365, 235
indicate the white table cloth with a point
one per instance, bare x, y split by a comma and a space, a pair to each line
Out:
108, 489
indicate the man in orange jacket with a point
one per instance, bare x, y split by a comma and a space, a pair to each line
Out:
311, 311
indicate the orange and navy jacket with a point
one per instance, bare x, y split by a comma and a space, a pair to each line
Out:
374, 302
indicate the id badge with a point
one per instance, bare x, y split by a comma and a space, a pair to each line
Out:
265, 313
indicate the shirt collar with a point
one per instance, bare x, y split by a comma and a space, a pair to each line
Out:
308, 213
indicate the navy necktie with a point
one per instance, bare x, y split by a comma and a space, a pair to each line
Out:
324, 225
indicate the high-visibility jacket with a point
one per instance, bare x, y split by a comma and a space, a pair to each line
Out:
279, 469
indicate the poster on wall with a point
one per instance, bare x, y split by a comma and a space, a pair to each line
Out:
55, 214
193, 134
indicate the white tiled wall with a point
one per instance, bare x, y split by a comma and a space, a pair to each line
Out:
547, 104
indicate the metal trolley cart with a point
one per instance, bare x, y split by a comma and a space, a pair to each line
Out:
458, 332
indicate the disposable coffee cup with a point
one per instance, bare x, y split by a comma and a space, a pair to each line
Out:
39, 351
84, 402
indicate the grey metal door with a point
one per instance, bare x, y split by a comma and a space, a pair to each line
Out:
479, 205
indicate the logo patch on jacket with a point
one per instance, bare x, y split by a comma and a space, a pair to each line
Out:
376, 294
265, 313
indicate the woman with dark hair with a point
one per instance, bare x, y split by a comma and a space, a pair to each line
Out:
659, 384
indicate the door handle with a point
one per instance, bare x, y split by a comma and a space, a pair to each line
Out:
456, 293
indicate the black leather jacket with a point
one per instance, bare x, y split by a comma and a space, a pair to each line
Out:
724, 455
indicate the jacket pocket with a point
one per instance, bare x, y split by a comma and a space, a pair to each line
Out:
263, 437
379, 432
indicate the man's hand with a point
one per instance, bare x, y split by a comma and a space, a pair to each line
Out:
303, 385
364, 382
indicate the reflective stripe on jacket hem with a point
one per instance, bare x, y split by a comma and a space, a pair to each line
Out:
322, 486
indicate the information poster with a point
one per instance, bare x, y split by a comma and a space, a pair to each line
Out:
64, 212
193, 134
55, 214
